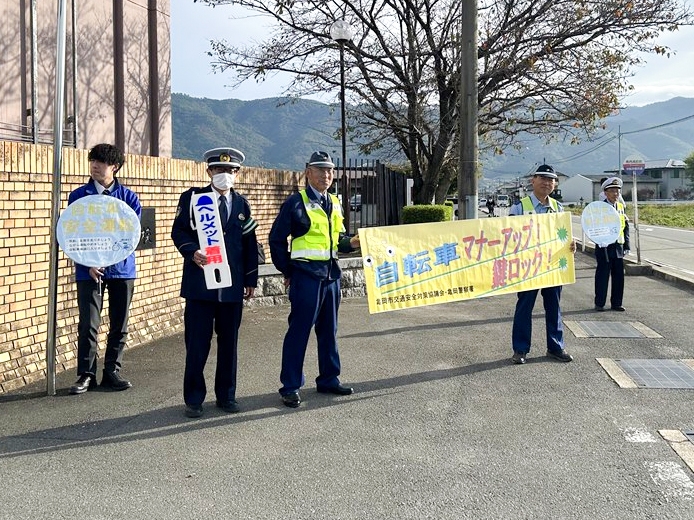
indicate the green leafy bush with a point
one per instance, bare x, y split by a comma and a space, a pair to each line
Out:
427, 213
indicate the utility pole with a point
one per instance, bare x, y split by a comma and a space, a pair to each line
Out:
469, 144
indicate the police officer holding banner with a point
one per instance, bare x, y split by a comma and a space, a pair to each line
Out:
198, 237
543, 182
610, 258
314, 221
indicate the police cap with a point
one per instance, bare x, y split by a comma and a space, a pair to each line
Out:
224, 157
612, 182
321, 159
545, 170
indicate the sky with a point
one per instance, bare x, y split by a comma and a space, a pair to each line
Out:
193, 26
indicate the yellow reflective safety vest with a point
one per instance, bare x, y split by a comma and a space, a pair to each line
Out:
320, 242
622, 221
529, 208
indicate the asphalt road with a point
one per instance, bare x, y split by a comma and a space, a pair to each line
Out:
660, 246
442, 425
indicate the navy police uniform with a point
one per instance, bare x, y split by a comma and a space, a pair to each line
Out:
314, 291
521, 336
218, 310
610, 259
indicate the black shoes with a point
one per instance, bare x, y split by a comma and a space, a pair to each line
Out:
114, 381
84, 383
518, 358
193, 411
337, 390
618, 308
560, 356
229, 406
599, 308
292, 400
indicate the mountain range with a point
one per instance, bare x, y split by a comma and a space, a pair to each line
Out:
281, 134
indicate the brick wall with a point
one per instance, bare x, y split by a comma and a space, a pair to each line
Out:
25, 211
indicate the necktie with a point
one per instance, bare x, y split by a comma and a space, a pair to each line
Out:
106, 192
324, 203
223, 212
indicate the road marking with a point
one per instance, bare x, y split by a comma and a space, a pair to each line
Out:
672, 479
615, 372
637, 435
681, 445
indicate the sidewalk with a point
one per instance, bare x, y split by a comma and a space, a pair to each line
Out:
441, 426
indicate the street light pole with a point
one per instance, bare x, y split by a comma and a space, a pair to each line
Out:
341, 32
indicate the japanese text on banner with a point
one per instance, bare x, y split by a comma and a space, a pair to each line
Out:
425, 264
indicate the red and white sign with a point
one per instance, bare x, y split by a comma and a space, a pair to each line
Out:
634, 165
211, 237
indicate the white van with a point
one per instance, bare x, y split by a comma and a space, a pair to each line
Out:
503, 201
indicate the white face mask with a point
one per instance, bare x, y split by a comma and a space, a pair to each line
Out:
223, 181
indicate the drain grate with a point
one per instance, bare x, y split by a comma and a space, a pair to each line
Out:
658, 373
610, 329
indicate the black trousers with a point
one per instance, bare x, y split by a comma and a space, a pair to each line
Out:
608, 266
90, 302
201, 319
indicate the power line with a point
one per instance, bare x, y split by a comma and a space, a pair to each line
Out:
658, 126
586, 152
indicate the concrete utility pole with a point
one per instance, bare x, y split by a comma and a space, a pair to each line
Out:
469, 144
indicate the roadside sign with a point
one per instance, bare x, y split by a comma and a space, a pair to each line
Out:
634, 165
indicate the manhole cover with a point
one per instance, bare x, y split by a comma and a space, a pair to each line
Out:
610, 329
658, 373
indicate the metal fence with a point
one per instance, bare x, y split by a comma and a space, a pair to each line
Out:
377, 194
25, 134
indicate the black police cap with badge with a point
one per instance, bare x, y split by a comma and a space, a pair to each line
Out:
224, 157
545, 170
321, 160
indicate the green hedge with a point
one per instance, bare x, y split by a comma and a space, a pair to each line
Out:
427, 213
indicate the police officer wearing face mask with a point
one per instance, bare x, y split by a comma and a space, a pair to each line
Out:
215, 310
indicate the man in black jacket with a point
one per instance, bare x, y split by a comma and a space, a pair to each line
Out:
217, 310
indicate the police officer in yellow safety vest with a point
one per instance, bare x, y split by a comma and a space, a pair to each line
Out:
314, 221
610, 259
544, 182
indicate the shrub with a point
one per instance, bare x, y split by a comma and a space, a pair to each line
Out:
427, 213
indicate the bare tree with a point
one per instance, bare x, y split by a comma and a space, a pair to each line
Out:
550, 67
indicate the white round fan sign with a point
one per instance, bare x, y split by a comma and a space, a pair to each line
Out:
98, 231
601, 223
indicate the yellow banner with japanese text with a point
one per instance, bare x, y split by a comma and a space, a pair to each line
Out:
425, 264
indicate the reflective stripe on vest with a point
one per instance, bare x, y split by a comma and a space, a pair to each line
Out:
528, 208
320, 241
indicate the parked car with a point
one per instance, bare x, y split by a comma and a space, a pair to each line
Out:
481, 203
355, 202
503, 201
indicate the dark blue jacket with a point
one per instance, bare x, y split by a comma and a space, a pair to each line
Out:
126, 268
294, 221
239, 241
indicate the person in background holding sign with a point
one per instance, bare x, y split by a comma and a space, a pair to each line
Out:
314, 221
215, 310
539, 201
118, 280
610, 259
